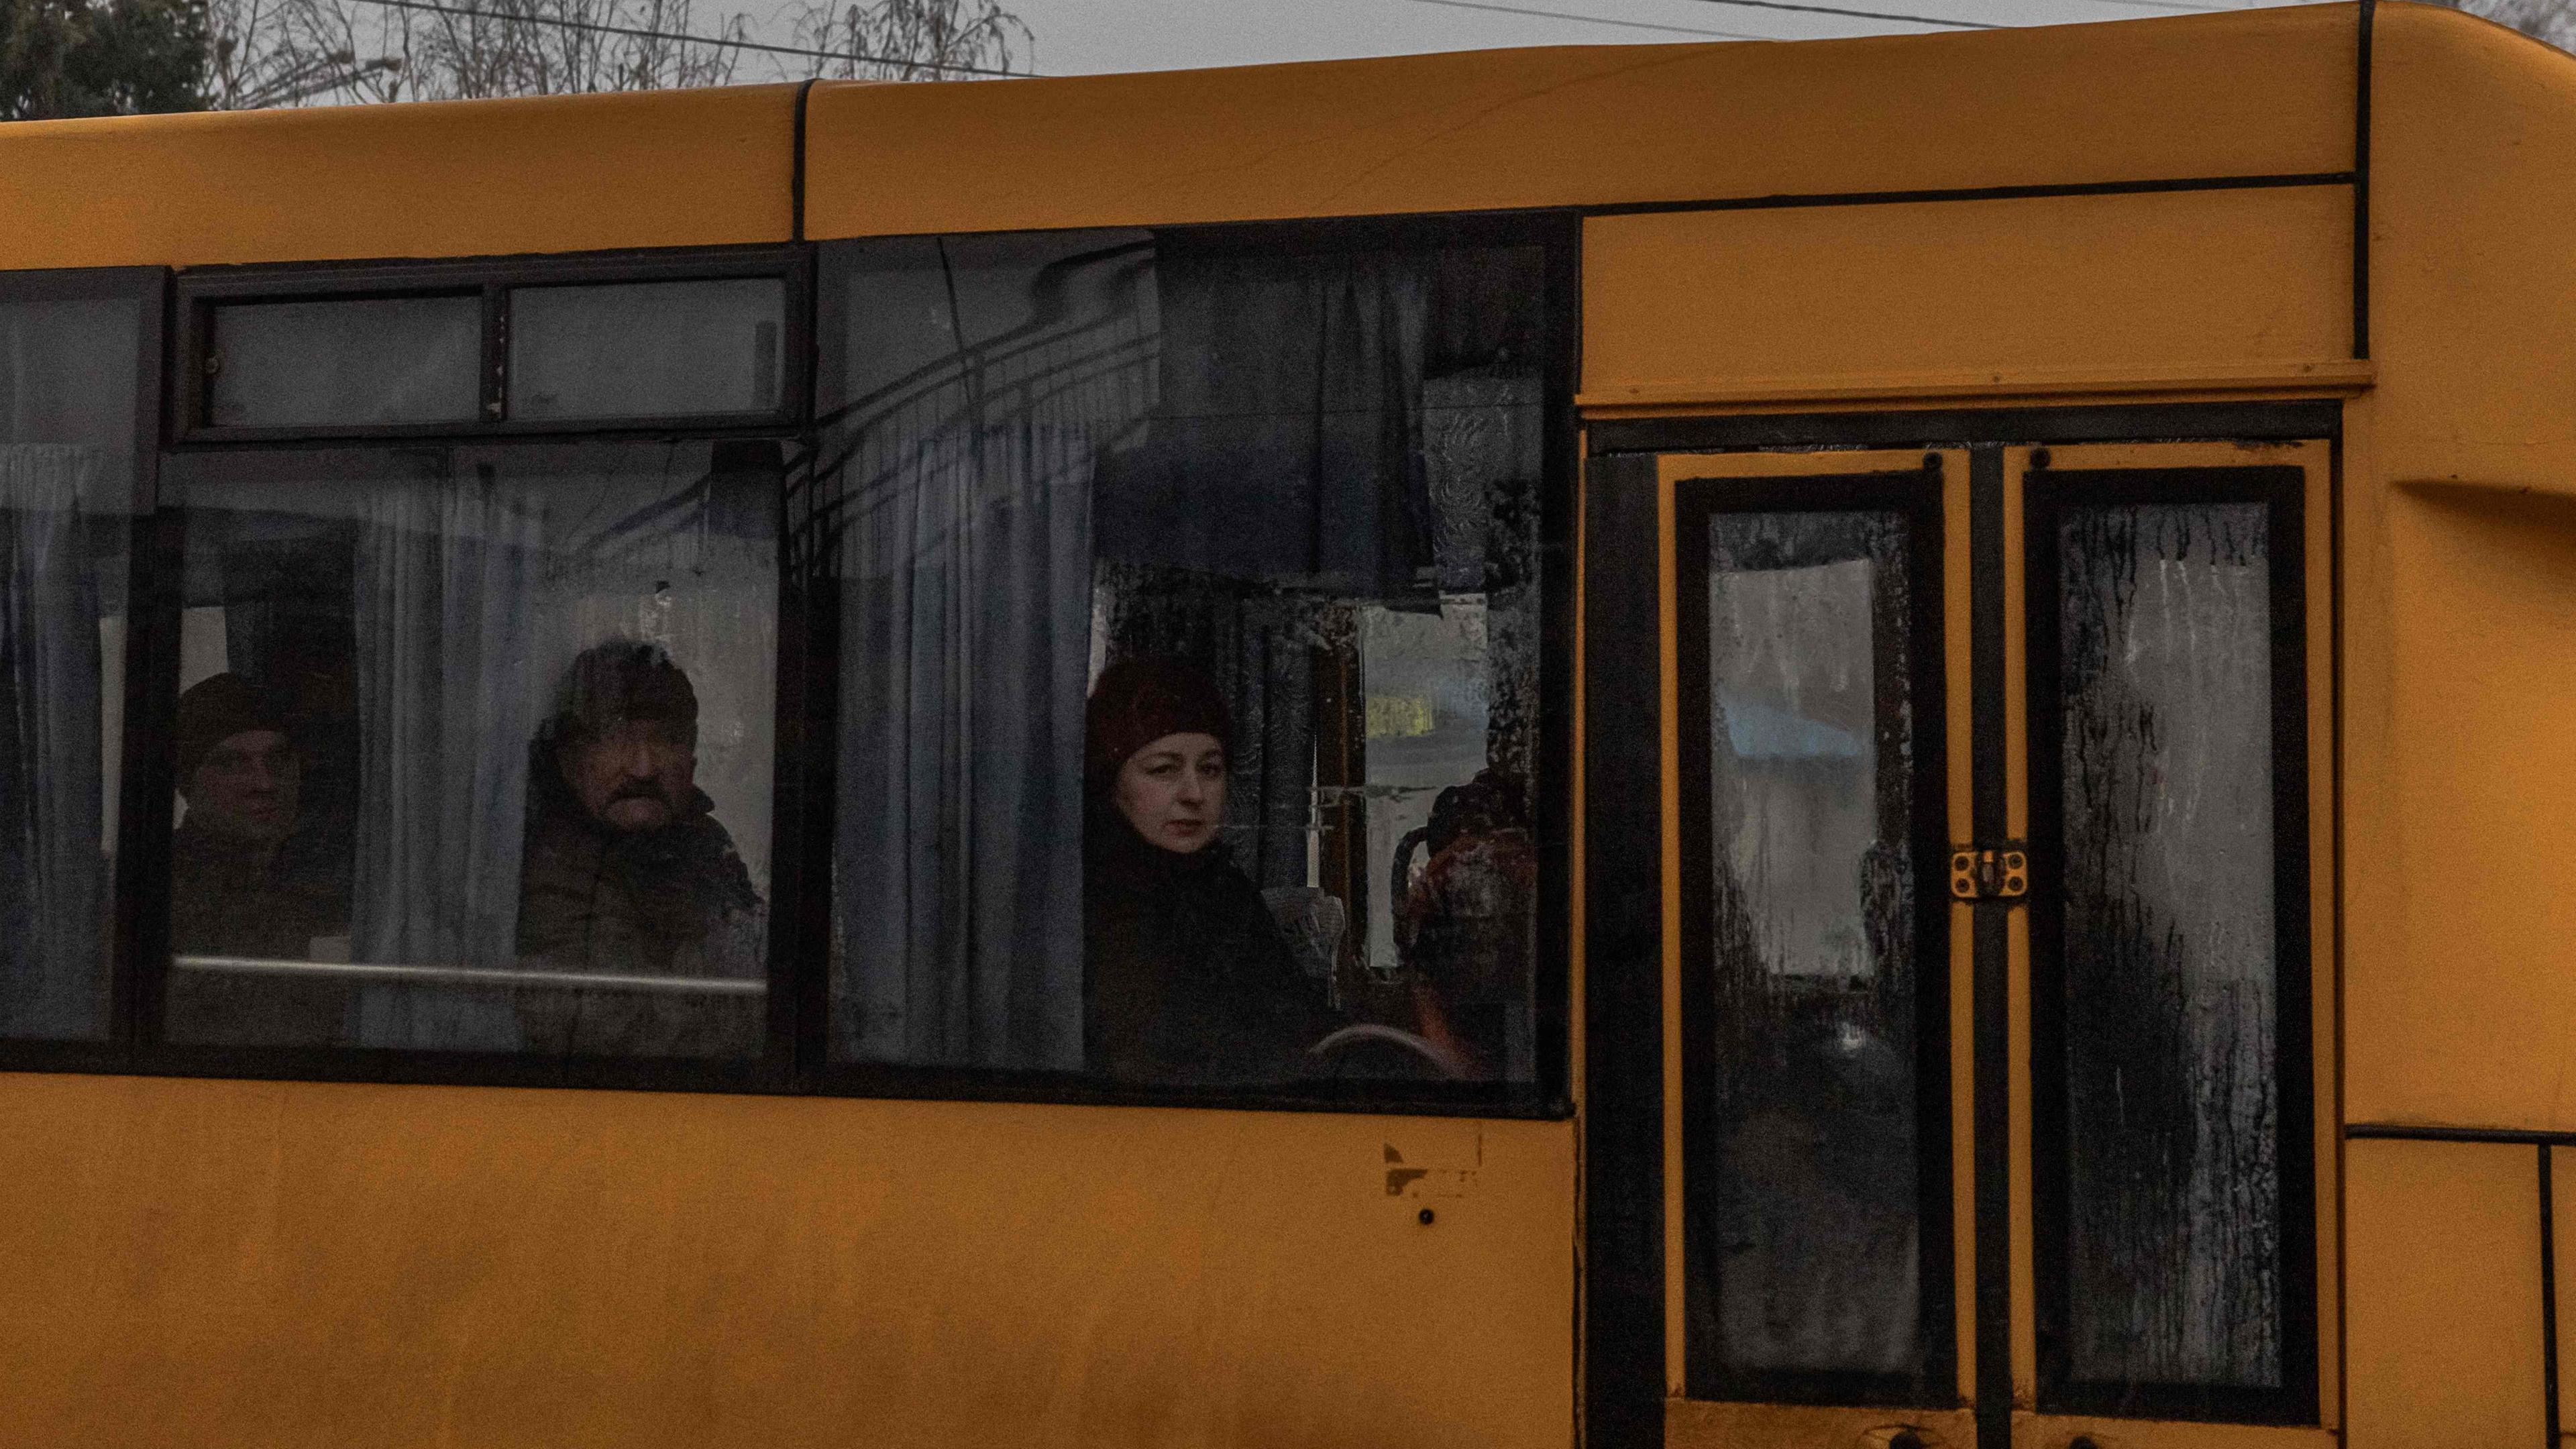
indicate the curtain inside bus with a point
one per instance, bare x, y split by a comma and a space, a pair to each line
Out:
67, 422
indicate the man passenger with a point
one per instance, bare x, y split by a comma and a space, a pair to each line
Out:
243, 883
627, 871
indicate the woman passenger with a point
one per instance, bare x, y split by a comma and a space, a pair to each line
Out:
1188, 978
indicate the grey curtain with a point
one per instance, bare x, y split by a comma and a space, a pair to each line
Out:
447, 621
958, 526
53, 876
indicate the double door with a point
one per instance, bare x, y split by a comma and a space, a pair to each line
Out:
1979, 973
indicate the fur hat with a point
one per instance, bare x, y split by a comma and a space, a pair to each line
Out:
1138, 701
622, 679
215, 709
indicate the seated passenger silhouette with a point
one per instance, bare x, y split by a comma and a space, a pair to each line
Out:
1187, 978
627, 872
243, 881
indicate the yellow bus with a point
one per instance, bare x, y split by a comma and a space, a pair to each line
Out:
1825, 744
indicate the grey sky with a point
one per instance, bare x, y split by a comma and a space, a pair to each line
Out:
1077, 37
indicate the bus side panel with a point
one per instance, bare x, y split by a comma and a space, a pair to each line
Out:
2460, 565
271, 1264
434, 179
2238, 94
2443, 1299
1856, 300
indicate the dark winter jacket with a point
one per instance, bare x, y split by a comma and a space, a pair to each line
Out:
670, 902
1187, 978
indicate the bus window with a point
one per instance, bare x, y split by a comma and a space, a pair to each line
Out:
344, 363
68, 400
647, 349
1106, 504
473, 748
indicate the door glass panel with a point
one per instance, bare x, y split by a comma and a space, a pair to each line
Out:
1803, 1174
2169, 942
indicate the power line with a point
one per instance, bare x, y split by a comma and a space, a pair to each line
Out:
1593, 19
686, 39
1854, 14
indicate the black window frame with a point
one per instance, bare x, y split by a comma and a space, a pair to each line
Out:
171, 383
2047, 495
1548, 1097
490, 279
1916, 496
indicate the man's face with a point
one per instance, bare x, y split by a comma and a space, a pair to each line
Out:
248, 788
633, 775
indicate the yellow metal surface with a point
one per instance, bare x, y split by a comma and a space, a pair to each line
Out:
1958, 660
2260, 93
2060, 1431
2458, 560
270, 1264
2473, 194
436, 179
1934, 298
1691, 1425
2443, 1319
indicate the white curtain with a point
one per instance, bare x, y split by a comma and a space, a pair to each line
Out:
964, 552
53, 876
447, 615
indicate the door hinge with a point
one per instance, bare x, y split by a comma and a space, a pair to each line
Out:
2000, 873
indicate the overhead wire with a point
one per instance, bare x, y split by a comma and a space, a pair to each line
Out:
1859, 14
684, 38
1593, 19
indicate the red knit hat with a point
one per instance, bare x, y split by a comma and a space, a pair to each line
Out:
1138, 701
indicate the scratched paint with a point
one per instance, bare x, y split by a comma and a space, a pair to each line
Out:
2173, 1171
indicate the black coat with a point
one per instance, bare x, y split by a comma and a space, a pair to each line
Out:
1188, 979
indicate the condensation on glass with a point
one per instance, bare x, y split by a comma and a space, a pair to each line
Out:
1805, 1174
474, 748
647, 349
1088, 491
344, 362
2173, 1169
68, 372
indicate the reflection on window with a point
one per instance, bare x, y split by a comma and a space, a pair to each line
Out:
1806, 1220
649, 349
345, 363
2173, 1166
1190, 607
67, 427
473, 749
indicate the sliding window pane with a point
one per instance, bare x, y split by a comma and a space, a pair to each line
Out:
2171, 976
68, 400
345, 363
649, 349
1804, 1169
1190, 618
474, 749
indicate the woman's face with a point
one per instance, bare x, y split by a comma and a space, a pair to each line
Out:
1173, 791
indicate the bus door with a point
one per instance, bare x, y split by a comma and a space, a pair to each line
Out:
1985, 930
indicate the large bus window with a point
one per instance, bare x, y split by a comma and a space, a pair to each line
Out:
344, 363
647, 349
1810, 963
2162, 630
68, 369
473, 748
1189, 628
